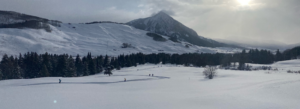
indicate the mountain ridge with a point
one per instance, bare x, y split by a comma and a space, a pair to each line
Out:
97, 37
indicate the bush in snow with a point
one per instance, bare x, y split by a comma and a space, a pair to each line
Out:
126, 45
210, 72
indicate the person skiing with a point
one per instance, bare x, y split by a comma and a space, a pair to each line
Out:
59, 81
124, 79
149, 74
152, 75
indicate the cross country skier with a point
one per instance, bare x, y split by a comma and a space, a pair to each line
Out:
59, 81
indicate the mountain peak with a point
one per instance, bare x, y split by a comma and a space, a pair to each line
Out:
162, 15
164, 24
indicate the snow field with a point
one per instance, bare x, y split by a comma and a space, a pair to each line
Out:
172, 87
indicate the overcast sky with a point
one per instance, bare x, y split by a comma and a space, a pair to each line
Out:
259, 21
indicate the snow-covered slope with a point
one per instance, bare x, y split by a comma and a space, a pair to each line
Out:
172, 87
102, 38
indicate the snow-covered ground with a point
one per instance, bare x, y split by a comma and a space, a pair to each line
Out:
104, 38
172, 87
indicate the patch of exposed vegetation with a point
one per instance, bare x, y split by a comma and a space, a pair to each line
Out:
156, 37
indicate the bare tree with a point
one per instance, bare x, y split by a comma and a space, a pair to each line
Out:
210, 72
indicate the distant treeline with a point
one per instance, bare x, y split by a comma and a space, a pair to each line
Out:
34, 24
95, 22
33, 65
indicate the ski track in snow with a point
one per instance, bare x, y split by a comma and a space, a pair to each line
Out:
128, 26
104, 29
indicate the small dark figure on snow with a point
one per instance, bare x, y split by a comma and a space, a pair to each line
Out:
124, 79
149, 74
152, 74
59, 81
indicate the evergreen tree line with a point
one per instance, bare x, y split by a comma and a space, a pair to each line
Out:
33, 65
258, 57
292, 53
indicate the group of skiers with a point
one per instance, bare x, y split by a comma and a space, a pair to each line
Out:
150, 74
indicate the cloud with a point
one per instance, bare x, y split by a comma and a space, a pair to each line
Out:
275, 21
77, 11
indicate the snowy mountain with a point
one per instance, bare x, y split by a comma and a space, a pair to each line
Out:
164, 24
99, 38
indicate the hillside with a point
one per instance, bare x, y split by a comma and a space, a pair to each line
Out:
104, 38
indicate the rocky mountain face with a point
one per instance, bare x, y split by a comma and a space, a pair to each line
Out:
163, 24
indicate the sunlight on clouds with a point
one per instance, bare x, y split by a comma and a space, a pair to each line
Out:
244, 2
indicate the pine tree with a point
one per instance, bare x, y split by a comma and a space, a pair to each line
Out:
5, 66
99, 64
278, 56
79, 66
86, 71
71, 69
92, 67
106, 61
44, 71
21, 64
36, 65
1, 75
62, 66
47, 63
226, 61
117, 65
16, 70
54, 62
242, 60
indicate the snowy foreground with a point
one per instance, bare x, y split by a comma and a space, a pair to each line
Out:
172, 87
